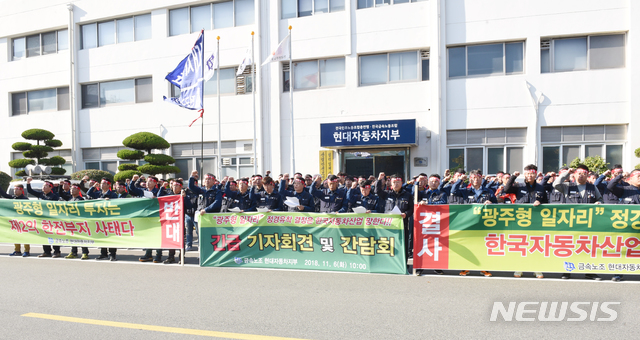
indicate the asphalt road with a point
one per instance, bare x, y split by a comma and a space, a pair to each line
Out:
248, 303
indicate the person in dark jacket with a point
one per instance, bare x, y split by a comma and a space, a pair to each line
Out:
530, 191
332, 199
305, 199
364, 197
18, 194
76, 195
187, 206
267, 198
46, 194
400, 198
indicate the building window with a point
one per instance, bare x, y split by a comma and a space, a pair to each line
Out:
39, 44
582, 53
234, 163
393, 67
56, 99
105, 159
561, 145
211, 16
116, 31
379, 3
486, 60
313, 74
303, 8
489, 150
117, 92
230, 83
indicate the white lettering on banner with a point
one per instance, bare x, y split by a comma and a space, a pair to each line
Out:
546, 311
172, 211
431, 223
327, 244
436, 248
173, 231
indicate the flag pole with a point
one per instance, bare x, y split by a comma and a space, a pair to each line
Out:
293, 155
219, 119
202, 116
253, 94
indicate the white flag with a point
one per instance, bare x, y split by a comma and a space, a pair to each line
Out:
210, 66
281, 53
245, 62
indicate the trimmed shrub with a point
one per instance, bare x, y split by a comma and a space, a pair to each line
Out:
159, 159
58, 171
127, 174
21, 146
126, 167
37, 134
130, 154
5, 179
21, 163
54, 143
146, 141
158, 169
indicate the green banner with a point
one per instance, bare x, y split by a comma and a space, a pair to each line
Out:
368, 243
119, 223
548, 238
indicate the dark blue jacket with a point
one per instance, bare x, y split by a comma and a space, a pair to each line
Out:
370, 202
304, 198
331, 201
51, 196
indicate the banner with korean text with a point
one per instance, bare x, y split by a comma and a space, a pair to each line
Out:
596, 239
118, 223
367, 243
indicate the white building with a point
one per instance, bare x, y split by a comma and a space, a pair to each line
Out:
490, 84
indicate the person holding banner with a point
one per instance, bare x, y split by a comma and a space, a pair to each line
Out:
241, 198
304, 199
176, 189
476, 193
332, 199
18, 194
363, 198
433, 195
76, 195
104, 192
46, 194
530, 192
400, 200
578, 192
267, 198
627, 193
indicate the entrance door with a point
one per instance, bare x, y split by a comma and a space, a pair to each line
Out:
371, 162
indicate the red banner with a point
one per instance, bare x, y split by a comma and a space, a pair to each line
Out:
431, 237
172, 221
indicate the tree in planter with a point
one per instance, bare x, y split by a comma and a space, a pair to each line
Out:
143, 142
37, 151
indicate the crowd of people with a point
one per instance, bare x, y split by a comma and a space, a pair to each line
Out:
342, 193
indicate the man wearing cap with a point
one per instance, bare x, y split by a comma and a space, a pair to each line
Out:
304, 198
267, 198
332, 199
397, 197
360, 195
46, 194
18, 194
239, 199
578, 192
76, 195
627, 193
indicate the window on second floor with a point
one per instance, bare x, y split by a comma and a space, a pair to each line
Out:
582, 53
116, 31
303, 8
117, 92
230, 83
394, 67
56, 99
39, 44
486, 60
313, 74
378, 3
211, 16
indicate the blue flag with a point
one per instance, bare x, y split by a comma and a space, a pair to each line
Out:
188, 78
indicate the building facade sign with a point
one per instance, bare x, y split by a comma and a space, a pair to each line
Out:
384, 132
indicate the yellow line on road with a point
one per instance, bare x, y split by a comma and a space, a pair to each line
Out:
164, 329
